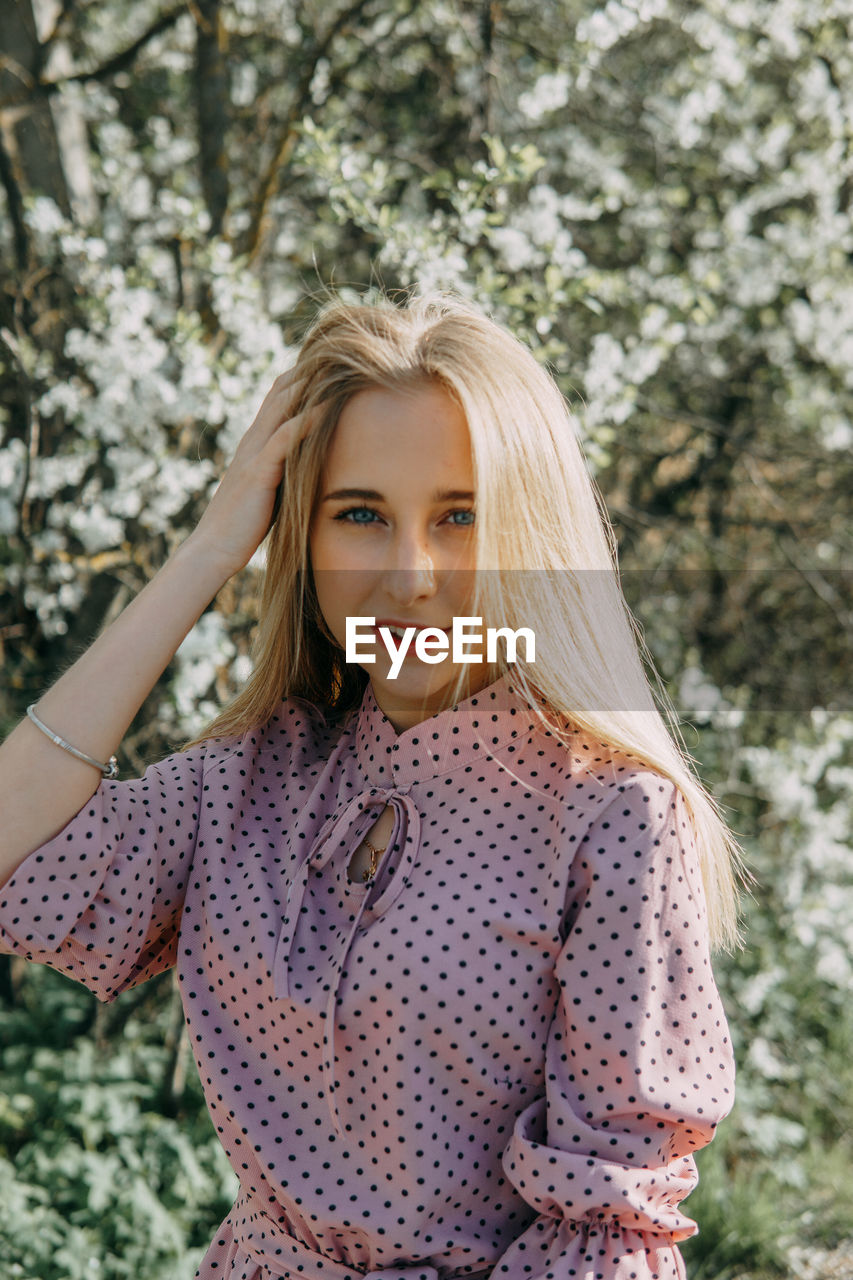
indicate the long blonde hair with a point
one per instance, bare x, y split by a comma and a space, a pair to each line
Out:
545, 552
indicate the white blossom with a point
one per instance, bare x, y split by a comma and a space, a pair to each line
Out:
204, 651
96, 528
13, 459
549, 93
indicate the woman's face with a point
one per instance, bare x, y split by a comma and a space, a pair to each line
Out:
392, 537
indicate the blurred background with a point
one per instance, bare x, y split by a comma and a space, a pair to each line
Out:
656, 196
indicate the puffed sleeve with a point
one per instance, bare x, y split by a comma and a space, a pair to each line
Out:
639, 1066
101, 901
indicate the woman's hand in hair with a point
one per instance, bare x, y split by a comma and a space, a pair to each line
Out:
240, 512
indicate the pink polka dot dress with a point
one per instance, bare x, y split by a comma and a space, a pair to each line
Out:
495, 1058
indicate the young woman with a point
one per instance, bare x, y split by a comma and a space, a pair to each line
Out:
442, 936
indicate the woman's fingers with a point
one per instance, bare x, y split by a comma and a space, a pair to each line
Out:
276, 406
286, 383
293, 430
240, 512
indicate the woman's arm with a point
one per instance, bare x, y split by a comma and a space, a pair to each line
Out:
639, 1062
42, 786
93, 704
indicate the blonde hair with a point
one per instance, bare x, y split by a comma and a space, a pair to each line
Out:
550, 567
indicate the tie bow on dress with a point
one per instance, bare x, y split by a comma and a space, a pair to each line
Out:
322, 903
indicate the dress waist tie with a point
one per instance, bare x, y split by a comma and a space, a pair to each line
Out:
268, 1244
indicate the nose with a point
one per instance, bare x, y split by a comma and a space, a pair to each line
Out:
411, 573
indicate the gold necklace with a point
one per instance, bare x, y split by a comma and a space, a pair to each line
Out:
375, 855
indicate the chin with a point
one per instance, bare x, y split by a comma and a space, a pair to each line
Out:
415, 692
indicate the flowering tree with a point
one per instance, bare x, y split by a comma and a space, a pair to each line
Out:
655, 194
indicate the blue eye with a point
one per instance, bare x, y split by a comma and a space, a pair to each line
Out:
463, 518
356, 511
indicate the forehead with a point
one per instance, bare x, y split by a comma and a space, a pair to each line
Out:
421, 427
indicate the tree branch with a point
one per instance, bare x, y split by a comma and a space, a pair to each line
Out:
288, 134
118, 62
66, 8
15, 204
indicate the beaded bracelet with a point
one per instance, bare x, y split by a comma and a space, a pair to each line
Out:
109, 770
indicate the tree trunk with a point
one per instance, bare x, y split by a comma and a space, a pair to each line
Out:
28, 131
212, 99
68, 119
488, 18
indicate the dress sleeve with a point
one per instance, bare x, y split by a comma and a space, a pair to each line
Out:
639, 1067
101, 901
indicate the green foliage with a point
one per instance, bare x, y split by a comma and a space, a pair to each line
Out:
776, 1177
108, 1170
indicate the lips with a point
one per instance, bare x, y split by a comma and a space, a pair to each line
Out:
398, 628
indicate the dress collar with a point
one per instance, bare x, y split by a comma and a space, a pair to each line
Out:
466, 732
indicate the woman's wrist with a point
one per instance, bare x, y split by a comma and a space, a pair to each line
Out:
210, 565
215, 562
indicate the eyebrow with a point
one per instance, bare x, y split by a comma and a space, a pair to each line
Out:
373, 495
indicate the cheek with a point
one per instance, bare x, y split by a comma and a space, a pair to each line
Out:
462, 583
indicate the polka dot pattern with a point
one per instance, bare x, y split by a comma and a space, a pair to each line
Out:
498, 1056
